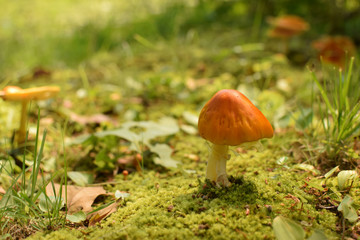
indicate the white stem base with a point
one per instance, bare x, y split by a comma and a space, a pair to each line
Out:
216, 167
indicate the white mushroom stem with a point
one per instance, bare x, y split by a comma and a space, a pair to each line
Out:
216, 167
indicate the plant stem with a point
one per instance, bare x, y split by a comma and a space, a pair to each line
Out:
216, 167
23, 120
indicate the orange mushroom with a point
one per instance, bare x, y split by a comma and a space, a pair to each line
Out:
335, 50
287, 26
125, 173
14, 93
284, 28
229, 118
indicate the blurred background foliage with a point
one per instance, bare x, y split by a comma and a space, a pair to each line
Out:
66, 33
121, 62
163, 51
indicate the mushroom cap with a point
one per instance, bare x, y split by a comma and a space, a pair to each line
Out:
334, 49
14, 93
230, 118
287, 26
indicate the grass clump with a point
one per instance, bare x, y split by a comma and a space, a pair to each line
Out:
339, 106
25, 207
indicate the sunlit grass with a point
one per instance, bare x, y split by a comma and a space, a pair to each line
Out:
25, 207
339, 107
40, 33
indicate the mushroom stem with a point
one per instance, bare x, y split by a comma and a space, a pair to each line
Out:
285, 47
23, 120
216, 167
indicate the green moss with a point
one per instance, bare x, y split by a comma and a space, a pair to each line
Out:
176, 205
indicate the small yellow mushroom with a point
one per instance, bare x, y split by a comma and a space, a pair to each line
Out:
14, 93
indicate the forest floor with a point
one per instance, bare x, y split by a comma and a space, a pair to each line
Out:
124, 127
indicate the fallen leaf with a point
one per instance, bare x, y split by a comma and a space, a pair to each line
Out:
39, 72
47, 204
101, 214
78, 198
331, 172
2, 190
193, 157
306, 167
76, 217
193, 84
318, 235
287, 229
348, 211
346, 176
164, 152
46, 121
189, 129
126, 160
191, 118
119, 195
81, 178
96, 118
164, 127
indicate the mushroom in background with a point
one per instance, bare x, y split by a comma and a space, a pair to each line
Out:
229, 118
335, 49
286, 27
14, 93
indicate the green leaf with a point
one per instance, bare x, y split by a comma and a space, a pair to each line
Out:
282, 160
345, 176
306, 167
189, 129
331, 172
48, 203
49, 164
124, 133
103, 161
287, 229
336, 194
164, 152
122, 195
85, 139
318, 235
148, 131
81, 179
347, 210
164, 127
315, 185
76, 217
190, 118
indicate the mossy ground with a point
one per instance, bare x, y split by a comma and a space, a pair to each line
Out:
179, 205
159, 62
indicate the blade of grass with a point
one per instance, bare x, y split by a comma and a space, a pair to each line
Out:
345, 90
324, 96
65, 163
37, 159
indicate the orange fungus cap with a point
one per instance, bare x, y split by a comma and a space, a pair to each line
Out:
287, 26
230, 118
14, 93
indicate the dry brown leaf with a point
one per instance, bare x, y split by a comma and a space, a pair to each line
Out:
2, 190
193, 84
78, 198
101, 214
96, 118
